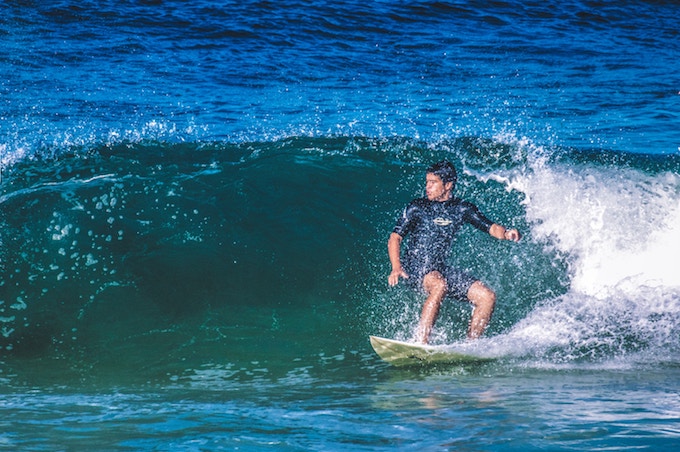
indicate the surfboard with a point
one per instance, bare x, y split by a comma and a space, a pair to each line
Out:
400, 353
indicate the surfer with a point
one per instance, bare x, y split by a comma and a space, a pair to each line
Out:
432, 222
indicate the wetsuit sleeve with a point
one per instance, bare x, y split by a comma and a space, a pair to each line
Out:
406, 221
477, 218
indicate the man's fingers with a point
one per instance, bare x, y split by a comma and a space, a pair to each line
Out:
393, 279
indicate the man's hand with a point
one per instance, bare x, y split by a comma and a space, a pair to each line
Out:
512, 234
501, 233
393, 279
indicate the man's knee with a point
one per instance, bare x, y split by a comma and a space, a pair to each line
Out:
434, 281
482, 296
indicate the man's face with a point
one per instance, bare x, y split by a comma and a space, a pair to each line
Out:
436, 189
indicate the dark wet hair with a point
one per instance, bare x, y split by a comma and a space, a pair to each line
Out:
445, 170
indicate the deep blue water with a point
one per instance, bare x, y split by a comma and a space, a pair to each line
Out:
196, 197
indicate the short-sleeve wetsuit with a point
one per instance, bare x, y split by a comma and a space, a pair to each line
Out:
432, 226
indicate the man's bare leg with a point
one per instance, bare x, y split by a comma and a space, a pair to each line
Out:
435, 287
484, 301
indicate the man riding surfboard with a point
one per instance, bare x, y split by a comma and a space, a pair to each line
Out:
431, 224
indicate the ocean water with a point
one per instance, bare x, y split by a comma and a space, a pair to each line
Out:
195, 200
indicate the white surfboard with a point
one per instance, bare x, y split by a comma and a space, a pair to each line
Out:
400, 353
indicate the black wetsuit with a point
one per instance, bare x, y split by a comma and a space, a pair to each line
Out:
432, 226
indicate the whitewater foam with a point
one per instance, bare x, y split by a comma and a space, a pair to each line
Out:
617, 228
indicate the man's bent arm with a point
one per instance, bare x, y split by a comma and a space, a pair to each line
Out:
394, 252
499, 232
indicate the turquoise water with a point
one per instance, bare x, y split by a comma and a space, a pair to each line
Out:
196, 199
492, 408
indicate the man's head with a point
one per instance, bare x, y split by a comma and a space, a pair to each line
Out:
440, 180
445, 170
